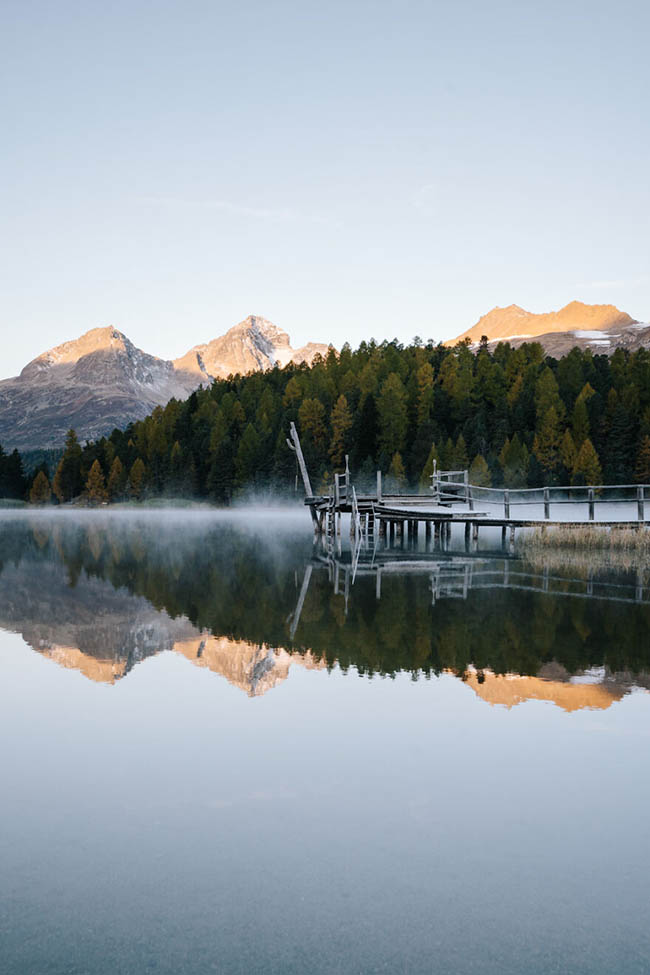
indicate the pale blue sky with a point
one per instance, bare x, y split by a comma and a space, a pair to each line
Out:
345, 169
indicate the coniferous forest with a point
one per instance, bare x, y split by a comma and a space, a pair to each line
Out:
514, 417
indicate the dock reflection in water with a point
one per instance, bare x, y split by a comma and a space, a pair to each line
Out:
199, 773
100, 595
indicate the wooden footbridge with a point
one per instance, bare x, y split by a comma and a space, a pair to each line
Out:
452, 499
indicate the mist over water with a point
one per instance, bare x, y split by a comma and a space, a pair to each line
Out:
230, 750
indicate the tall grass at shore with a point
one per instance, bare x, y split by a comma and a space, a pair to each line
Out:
588, 547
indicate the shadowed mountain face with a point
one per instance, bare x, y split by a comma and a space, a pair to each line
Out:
601, 328
102, 381
99, 594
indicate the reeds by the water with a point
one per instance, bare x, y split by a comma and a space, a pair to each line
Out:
588, 546
589, 537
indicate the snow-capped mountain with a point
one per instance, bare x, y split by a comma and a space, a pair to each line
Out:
602, 328
101, 381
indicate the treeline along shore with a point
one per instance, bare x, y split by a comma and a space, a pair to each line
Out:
514, 417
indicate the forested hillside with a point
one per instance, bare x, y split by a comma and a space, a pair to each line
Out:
513, 416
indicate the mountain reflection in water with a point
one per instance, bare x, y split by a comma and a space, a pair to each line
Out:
99, 593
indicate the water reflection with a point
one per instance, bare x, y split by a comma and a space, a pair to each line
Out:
99, 594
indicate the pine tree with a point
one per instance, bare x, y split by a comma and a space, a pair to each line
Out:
341, 422
67, 483
95, 484
137, 478
396, 475
365, 439
587, 468
247, 459
461, 460
514, 462
580, 421
393, 417
41, 492
547, 442
568, 452
642, 472
116, 480
479, 472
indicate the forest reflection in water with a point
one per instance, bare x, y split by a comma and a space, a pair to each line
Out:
248, 596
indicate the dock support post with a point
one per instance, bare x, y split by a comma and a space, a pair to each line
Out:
382, 528
427, 534
378, 584
639, 502
547, 504
436, 533
504, 531
468, 528
512, 537
294, 444
392, 531
416, 528
590, 496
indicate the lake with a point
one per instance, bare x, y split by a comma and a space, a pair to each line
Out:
229, 750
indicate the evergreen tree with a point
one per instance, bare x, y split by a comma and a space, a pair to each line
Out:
547, 442
117, 480
41, 492
13, 483
341, 423
95, 484
514, 461
137, 476
642, 471
568, 452
247, 459
393, 416
580, 422
67, 483
461, 460
587, 468
479, 472
396, 480
365, 441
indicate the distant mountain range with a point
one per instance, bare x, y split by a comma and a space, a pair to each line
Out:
601, 328
101, 380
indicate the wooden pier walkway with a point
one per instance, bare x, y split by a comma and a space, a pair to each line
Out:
454, 500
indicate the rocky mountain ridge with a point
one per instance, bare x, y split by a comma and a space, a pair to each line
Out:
102, 380
601, 328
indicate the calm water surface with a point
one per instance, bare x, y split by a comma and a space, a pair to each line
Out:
227, 751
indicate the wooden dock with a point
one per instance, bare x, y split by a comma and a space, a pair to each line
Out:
453, 499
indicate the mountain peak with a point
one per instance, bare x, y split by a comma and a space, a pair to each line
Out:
254, 343
515, 322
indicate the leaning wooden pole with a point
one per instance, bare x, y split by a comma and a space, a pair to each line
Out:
294, 444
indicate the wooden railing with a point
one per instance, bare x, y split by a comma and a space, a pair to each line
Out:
591, 495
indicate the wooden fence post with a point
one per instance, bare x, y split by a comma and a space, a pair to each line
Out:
590, 496
639, 502
378, 485
506, 504
547, 504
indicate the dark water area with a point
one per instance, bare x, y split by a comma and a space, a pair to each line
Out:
227, 749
